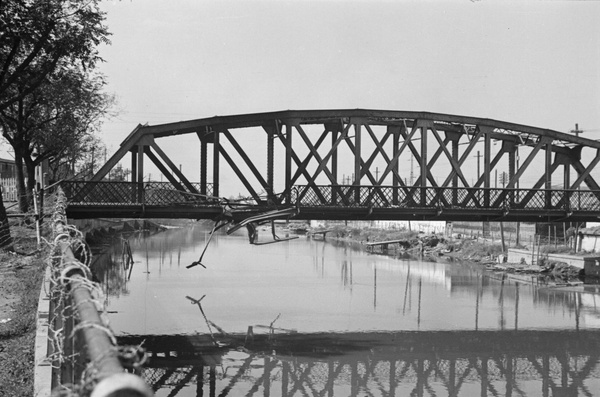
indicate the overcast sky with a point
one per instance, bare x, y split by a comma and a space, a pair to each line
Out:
528, 62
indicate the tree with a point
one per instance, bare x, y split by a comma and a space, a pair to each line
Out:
54, 122
119, 174
37, 36
75, 162
84, 163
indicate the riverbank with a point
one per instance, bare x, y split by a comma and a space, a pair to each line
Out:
21, 276
478, 250
415, 243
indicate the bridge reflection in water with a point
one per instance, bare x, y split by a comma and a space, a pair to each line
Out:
398, 327
435, 363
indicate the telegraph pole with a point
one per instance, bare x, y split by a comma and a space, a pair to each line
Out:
577, 131
411, 171
478, 166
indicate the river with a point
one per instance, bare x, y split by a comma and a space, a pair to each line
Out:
308, 317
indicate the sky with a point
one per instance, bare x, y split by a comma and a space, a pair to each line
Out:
529, 62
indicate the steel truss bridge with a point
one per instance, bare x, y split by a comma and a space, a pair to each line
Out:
435, 363
354, 164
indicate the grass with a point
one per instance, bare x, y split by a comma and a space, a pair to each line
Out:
474, 250
21, 277
373, 234
560, 249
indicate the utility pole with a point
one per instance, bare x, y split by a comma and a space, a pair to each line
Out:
478, 162
503, 178
411, 171
92, 162
577, 131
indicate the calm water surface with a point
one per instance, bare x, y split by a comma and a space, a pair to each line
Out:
344, 322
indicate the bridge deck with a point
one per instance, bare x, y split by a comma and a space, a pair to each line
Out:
154, 200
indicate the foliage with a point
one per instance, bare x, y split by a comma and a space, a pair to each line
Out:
69, 112
119, 173
55, 123
78, 164
40, 36
373, 234
474, 250
559, 249
50, 99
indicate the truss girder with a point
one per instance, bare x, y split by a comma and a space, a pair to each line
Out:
584, 173
322, 161
291, 154
164, 170
382, 140
240, 174
463, 157
512, 182
246, 159
173, 168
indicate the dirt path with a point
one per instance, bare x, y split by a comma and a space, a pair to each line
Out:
8, 297
20, 282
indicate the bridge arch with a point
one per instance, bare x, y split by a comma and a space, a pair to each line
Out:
352, 160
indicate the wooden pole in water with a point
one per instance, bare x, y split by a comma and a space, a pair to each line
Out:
538, 257
419, 308
577, 239
502, 236
517, 306
477, 306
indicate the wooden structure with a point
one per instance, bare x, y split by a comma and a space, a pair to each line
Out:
384, 245
321, 233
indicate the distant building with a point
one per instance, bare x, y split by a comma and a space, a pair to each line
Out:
8, 180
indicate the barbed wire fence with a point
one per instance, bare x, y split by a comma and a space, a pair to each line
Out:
10, 235
83, 350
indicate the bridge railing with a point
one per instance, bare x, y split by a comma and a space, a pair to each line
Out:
164, 194
460, 198
120, 193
